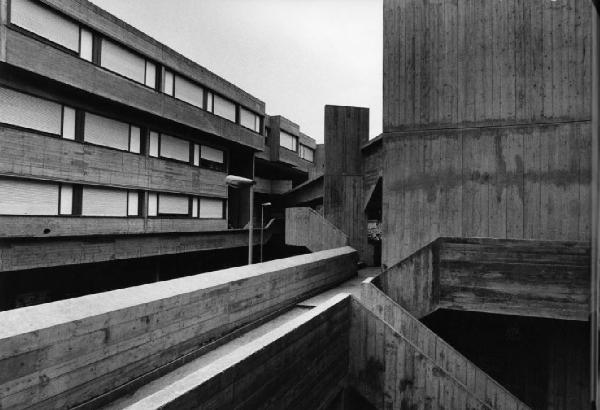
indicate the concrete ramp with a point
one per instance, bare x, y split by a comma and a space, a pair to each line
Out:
297, 361
306, 227
398, 361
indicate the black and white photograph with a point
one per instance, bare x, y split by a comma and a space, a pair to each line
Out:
300, 204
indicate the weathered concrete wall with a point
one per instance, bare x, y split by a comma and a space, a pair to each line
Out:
486, 121
300, 365
545, 279
526, 182
64, 353
346, 130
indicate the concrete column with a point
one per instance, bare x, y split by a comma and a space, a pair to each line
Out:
346, 131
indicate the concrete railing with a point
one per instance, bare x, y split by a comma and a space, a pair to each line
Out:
547, 279
306, 227
98, 346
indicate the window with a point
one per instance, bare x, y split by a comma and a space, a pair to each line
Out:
189, 92
174, 148
210, 102
224, 108
26, 111
152, 204
249, 119
150, 77
104, 202
288, 141
24, 197
212, 208
196, 160
111, 133
86, 44
169, 83
307, 153
68, 123
153, 151
195, 207
173, 204
133, 205
122, 61
42, 21
134, 139
66, 199
212, 158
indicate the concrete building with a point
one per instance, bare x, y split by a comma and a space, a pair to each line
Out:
485, 181
487, 134
114, 154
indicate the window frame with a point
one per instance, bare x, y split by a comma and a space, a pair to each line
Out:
294, 138
40, 38
223, 208
160, 215
300, 146
44, 133
110, 117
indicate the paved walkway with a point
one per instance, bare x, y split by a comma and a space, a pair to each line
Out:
351, 286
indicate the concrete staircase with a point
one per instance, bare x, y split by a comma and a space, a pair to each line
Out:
306, 227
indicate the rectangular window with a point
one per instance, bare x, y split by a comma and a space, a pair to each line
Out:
104, 202
133, 205
224, 108
23, 197
173, 204
42, 21
212, 154
175, 148
307, 153
210, 99
107, 132
212, 158
249, 119
195, 207
189, 92
153, 150
68, 125
122, 61
169, 83
66, 199
196, 155
152, 204
86, 47
150, 79
26, 111
288, 141
134, 139
211, 208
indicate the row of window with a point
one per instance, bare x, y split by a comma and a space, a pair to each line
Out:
42, 21
35, 113
289, 141
26, 197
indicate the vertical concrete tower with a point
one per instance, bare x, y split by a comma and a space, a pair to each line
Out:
486, 121
346, 130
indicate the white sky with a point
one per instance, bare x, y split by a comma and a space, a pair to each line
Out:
295, 55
